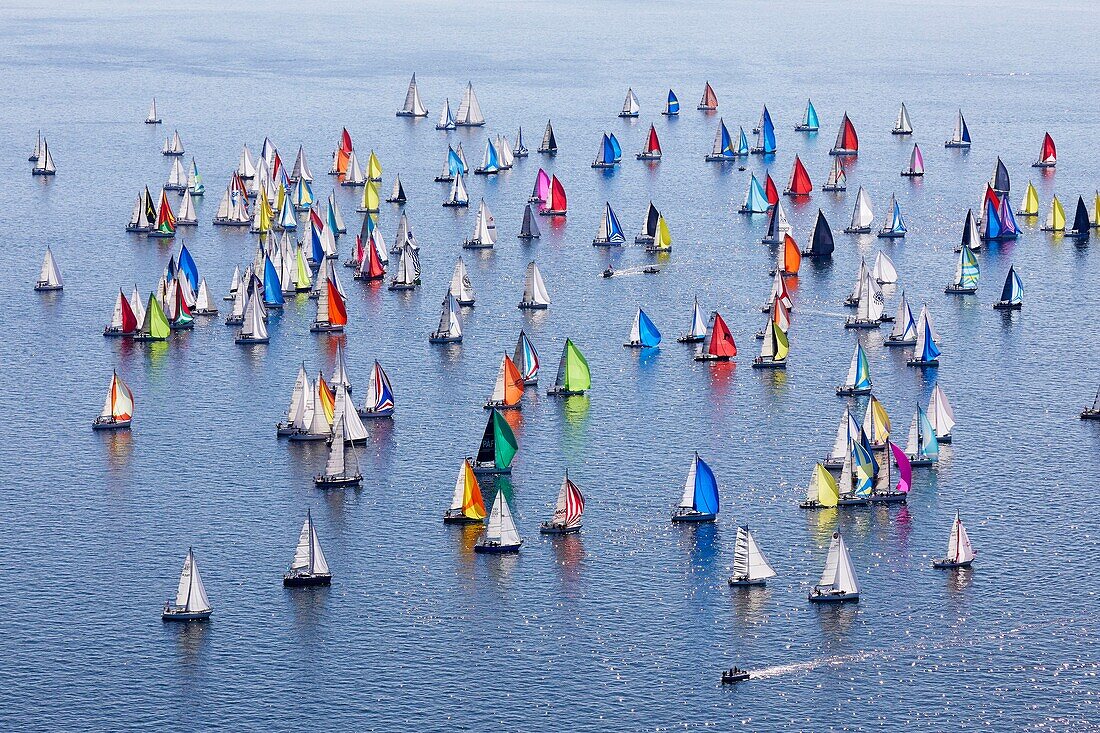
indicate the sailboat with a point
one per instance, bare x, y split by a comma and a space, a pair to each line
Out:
519, 150
800, 184
1081, 222
485, 230
1048, 154
187, 216
253, 329
501, 535
922, 447
837, 180
498, 447
718, 343
862, 216
165, 225
490, 163
998, 224
173, 145
699, 502
574, 376
37, 152
332, 313
354, 175
630, 105
941, 415
144, 215
773, 348
458, 196
123, 319
342, 468
535, 296
469, 111
960, 138
876, 424
300, 171
605, 155
894, 227
154, 325
297, 403
413, 107
556, 203
541, 190
49, 277
838, 581
549, 144
1012, 294
869, 307
177, 177
379, 401
508, 387
467, 506
1092, 413
44, 165
649, 225
526, 359
530, 228
610, 233
152, 118
925, 353
778, 226
309, 567
884, 271
643, 333
450, 328
118, 408
1056, 218
461, 288
194, 180
722, 149
790, 258
709, 102
859, 375
839, 453
190, 603
765, 135
756, 201
407, 276
652, 150
959, 552
750, 567
881, 493
398, 195
916, 164
567, 511
446, 117
1031, 202
847, 143
823, 492
902, 126
904, 332
672, 105
809, 119
966, 274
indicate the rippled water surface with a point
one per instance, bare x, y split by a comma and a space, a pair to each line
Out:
626, 626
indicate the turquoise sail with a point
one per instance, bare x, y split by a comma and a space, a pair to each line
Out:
811, 116
929, 443
727, 143
1013, 291
615, 147
756, 202
648, 333
454, 163
897, 224
673, 107
863, 369
863, 470
273, 289
743, 145
333, 224
968, 268
492, 165
706, 488
287, 218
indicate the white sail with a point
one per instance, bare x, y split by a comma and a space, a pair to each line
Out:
940, 413
191, 594
344, 413
485, 227
187, 213
246, 168
335, 466
840, 445
905, 327
301, 171
449, 325
45, 159
839, 575
413, 107
469, 112
408, 267
534, 289
883, 270
630, 104
461, 289
354, 175
959, 549
501, 527
687, 499
862, 216
298, 394
340, 369
253, 326
445, 120
50, 275
871, 301
203, 301
749, 562
504, 153
458, 191
902, 124
177, 177
152, 118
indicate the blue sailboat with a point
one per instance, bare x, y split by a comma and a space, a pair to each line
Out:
1012, 294
809, 120
894, 227
615, 147
926, 353
864, 467
756, 201
610, 234
672, 106
490, 164
999, 223
334, 218
923, 448
742, 150
699, 502
605, 158
966, 273
723, 145
859, 375
273, 289
188, 267
765, 139
643, 334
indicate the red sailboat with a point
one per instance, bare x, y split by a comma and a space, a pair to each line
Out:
799, 184
652, 147
718, 344
123, 321
556, 203
770, 190
342, 154
847, 143
370, 266
1048, 154
709, 102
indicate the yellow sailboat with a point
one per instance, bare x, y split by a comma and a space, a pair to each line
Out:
822, 493
467, 506
264, 215
1031, 202
374, 168
371, 197
662, 237
876, 424
1056, 218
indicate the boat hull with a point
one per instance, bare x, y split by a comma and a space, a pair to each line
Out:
306, 580
1086, 415
891, 497
249, 341
460, 518
852, 391
945, 564
857, 230
827, 187
563, 392
918, 461
899, 342
475, 245
762, 363
434, 339
691, 339
487, 549
532, 306
178, 615
693, 517
912, 174
481, 469
299, 436
833, 597
388, 412
557, 529
746, 583
648, 156
229, 223
890, 234
861, 323
954, 144
501, 405
710, 357
456, 204
959, 290
805, 128
325, 328
110, 424
552, 212
337, 482
922, 363
843, 151
44, 288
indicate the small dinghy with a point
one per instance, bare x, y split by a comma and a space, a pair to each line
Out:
152, 118
709, 101
49, 277
549, 144
309, 566
960, 554
190, 603
484, 235
535, 296
859, 375
118, 408
643, 333
922, 447
847, 142
652, 149
699, 502
530, 228
904, 332
916, 164
508, 387
630, 105
556, 203
173, 146
526, 360
610, 233
894, 228
498, 447
379, 401
902, 125
809, 122
342, 468
469, 111
568, 510
500, 536
925, 352
960, 138
1089, 413
698, 330
838, 582
966, 274
733, 675
413, 107
718, 343
467, 506
1048, 154
750, 567
450, 327
573, 377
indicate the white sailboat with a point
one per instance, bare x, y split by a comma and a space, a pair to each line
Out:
344, 412
535, 296
246, 167
152, 118
253, 329
750, 567
49, 277
446, 119
190, 603
173, 145
838, 581
342, 468
461, 288
187, 215
413, 107
904, 332
354, 175
44, 165
883, 270
301, 171
204, 304
501, 535
297, 403
902, 125
309, 566
630, 105
485, 230
450, 327
698, 330
458, 196
407, 276
177, 177
960, 554
862, 216
941, 415
469, 111
568, 510
869, 308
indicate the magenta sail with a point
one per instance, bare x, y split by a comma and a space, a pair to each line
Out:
905, 470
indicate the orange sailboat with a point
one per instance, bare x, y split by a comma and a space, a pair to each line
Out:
332, 312
508, 388
341, 155
118, 407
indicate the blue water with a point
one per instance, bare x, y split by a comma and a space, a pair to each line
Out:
626, 626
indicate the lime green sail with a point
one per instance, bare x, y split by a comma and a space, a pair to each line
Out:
155, 326
574, 376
